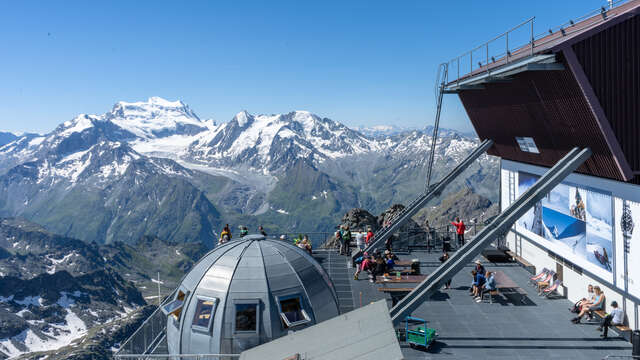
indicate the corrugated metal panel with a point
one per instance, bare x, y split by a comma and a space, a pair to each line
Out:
548, 106
611, 61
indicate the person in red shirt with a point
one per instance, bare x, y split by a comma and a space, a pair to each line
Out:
460, 228
369, 237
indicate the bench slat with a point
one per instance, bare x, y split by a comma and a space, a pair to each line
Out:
385, 289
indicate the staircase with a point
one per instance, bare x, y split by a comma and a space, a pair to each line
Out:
336, 266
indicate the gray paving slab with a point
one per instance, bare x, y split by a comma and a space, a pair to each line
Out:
506, 329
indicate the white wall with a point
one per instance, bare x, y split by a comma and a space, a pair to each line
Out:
575, 283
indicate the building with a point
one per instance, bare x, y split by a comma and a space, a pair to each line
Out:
577, 86
244, 293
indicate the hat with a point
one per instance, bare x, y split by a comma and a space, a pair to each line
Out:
478, 262
614, 303
387, 252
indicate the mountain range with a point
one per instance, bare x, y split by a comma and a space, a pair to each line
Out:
155, 168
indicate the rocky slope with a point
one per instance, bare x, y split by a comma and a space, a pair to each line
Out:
55, 290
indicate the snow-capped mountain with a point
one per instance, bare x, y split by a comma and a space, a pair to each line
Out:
7, 137
274, 142
377, 131
119, 154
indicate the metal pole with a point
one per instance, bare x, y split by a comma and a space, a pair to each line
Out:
487, 63
532, 39
507, 53
158, 288
471, 60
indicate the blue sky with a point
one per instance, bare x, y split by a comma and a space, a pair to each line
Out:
358, 62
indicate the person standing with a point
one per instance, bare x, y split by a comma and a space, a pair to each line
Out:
427, 237
360, 240
443, 259
369, 237
346, 238
340, 241
460, 228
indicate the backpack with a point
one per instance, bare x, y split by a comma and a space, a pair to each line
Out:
575, 308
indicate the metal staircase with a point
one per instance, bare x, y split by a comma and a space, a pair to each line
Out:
418, 203
496, 228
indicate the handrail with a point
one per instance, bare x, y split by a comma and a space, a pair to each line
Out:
128, 344
177, 356
536, 40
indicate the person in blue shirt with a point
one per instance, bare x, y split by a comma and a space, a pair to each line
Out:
489, 285
478, 282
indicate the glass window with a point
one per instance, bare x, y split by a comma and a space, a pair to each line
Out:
246, 317
174, 308
205, 309
527, 145
292, 312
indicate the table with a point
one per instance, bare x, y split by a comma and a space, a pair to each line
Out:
404, 279
504, 282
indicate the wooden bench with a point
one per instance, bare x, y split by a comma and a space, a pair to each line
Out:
623, 330
394, 290
524, 263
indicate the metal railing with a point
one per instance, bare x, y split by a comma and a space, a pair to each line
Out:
180, 357
148, 335
485, 56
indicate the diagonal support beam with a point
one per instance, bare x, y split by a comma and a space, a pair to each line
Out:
382, 235
500, 225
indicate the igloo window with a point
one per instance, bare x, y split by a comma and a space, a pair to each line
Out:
292, 312
205, 309
174, 308
246, 317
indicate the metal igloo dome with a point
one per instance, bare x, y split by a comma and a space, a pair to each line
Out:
245, 293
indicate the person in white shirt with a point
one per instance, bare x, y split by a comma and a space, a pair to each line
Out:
360, 240
616, 317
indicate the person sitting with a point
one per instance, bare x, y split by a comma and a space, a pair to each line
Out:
478, 282
363, 265
390, 262
597, 304
616, 317
244, 231
307, 244
489, 285
590, 296
380, 268
543, 284
479, 268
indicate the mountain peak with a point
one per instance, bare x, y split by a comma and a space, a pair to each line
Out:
155, 118
242, 118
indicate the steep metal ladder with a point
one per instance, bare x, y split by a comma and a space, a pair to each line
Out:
441, 78
418, 203
496, 228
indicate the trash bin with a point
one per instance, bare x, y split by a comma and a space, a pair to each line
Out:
635, 341
415, 266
